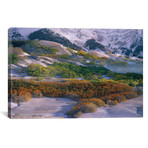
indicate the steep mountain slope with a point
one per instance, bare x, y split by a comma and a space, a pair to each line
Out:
47, 34
61, 49
45, 47
92, 44
127, 42
123, 41
13, 34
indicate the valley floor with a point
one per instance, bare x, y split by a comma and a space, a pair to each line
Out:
130, 108
42, 108
57, 107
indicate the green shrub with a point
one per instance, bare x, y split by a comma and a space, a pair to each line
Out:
71, 50
12, 59
75, 111
37, 94
37, 47
139, 92
39, 79
73, 96
88, 56
82, 53
121, 98
118, 62
106, 98
68, 74
130, 95
78, 114
18, 99
20, 95
22, 57
64, 56
91, 63
17, 43
70, 70
102, 64
37, 70
17, 51
97, 101
112, 102
89, 108
67, 70
132, 79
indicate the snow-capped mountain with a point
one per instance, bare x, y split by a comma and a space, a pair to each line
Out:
49, 35
14, 34
121, 41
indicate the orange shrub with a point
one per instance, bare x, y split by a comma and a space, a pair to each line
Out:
73, 96
73, 112
139, 91
106, 98
130, 95
121, 98
24, 98
78, 114
112, 102
16, 50
76, 90
96, 101
37, 94
21, 95
85, 105
88, 108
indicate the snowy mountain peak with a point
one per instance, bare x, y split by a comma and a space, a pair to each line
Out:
127, 42
121, 41
13, 34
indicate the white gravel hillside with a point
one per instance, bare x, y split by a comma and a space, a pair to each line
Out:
57, 107
43, 108
14, 70
62, 49
130, 108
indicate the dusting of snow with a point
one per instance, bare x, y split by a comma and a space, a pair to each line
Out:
24, 54
116, 40
98, 53
113, 39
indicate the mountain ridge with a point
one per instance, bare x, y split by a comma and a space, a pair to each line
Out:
127, 42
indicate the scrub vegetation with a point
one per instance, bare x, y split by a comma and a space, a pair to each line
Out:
92, 73
82, 75
88, 95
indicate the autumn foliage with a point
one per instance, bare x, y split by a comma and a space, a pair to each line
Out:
112, 102
82, 88
88, 95
130, 95
37, 94
20, 95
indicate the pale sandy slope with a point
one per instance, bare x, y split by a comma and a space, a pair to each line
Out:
43, 108
57, 107
130, 108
